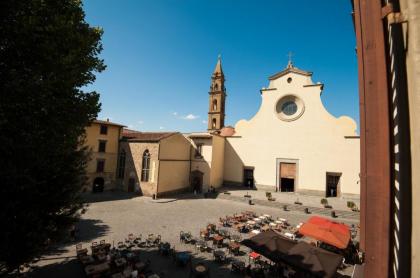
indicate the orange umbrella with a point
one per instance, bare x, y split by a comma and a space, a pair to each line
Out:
327, 231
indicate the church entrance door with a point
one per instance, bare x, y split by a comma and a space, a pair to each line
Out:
249, 177
287, 177
333, 184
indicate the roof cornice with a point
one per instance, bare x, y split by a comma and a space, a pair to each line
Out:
290, 70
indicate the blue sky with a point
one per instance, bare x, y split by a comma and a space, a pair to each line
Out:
160, 55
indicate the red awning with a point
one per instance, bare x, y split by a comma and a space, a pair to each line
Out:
327, 231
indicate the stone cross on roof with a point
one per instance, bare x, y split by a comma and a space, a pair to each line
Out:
290, 63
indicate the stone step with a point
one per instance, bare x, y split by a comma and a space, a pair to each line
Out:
293, 207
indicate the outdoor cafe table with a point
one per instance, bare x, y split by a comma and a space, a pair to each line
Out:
267, 215
254, 256
223, 232
258, 220
234, 247
219, 253
256, 232
272, 224
278, 222
200, 270
282, 219
250, 222
235, 238
96, 269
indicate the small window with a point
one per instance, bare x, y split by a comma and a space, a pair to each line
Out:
121, 165
100, 166
215, 87
198, 151
102, 146
214, 123
145, 168
104, 129
289, 80
215, 105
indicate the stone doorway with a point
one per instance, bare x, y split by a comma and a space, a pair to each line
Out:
197, 181
249, 177
98, 185
333, 185
287, 174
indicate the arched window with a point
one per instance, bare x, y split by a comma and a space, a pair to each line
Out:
121, 164
215, 105
214, 123
215, 87
145, 168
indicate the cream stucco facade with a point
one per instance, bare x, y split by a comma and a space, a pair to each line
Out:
207, 159
303, 133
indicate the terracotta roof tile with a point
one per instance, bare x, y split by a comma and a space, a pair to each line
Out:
137, 136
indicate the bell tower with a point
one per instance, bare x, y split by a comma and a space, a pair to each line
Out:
217, 95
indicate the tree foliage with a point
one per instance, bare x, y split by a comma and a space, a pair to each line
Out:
48, 54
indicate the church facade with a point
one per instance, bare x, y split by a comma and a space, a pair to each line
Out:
293, 144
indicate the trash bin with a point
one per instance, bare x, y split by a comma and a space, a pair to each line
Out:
154, 196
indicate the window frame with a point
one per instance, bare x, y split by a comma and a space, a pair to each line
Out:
145, 167
99, 162
199, 150
103, 129
121, 164
104, 146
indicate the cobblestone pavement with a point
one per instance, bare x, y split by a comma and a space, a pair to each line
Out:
115, 218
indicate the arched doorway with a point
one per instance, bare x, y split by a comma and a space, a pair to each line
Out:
131, 184
197, 181
98, 184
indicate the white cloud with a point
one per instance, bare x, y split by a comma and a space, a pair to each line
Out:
130, 126
204, 121
140, 122
161, 127
190, 117
175, 113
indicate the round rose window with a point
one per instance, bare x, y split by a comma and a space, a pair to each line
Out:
289, 108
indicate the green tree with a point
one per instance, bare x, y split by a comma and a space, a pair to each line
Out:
48, 54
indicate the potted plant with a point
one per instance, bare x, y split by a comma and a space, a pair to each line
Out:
324, 202
269, 196
350, 204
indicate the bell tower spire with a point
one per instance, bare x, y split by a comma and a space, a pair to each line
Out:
217, 95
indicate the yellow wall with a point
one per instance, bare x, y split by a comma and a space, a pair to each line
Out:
110, 155
173, 175
174, 163
217, 162
175, 147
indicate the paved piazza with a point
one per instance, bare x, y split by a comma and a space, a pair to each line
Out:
112, 216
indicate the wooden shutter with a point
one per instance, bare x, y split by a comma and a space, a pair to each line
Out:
288, 170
